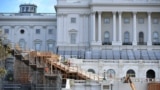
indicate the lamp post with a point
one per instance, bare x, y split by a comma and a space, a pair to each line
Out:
104, 75
111, 86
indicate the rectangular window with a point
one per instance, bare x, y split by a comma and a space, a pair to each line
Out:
50, 31
126, 20
50, 47
73, 20
37, 46
73, 38
37, 31
27, 9
6, 31
155, 21
107, 20
32, 8
141, 20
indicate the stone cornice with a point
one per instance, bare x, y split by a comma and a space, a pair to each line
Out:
83, 14
9, 18
72, 6
124, 4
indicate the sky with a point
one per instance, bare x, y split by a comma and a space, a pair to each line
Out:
12, 6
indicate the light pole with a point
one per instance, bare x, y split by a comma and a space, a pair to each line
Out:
104, 78
111, 86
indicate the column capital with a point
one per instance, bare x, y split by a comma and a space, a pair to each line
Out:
31, 26
64, 14
149, 13
134, 12
120, 12
59, 14
114, 12
12, 27
44, 27
94, 12
81, 15
99, 12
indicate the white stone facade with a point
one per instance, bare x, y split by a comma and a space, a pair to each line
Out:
114, 35
121, 35
20, 28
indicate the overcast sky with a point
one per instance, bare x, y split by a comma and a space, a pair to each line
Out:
12, 6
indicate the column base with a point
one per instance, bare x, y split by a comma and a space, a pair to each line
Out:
93, 43
116, 43
96, 43
99, 42
149, 43
134, 43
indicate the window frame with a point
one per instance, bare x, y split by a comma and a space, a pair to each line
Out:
155, 37
6, 31
106, 37
126, 37
39, 47
126, 20
155, 20
22, 41
73, 39
73, 19
131, 73
38, 31
50, 31
91, 71
106, 20
111, 73
36, 42
140, 20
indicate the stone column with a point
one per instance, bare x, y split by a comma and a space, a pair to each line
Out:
99, 28
114, 28
59, 29
134, 29
63, 29
93, 28
120, 28
149, 42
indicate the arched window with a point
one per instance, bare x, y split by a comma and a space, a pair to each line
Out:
141, 38
106, 37
150, 74
22, 43
155, 38
91, 70
111, 73
131, 73
126, 37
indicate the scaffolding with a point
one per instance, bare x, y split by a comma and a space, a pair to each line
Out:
30, 72
35, 70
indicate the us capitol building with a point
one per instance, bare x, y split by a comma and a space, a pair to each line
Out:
110, 38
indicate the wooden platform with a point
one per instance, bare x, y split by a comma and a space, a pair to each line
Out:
154, 86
